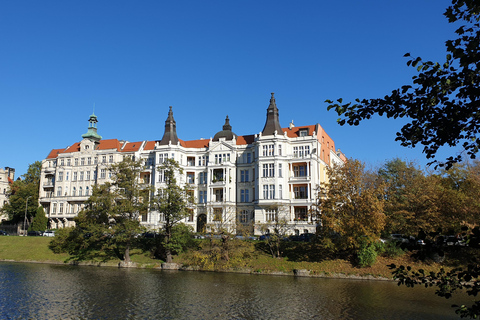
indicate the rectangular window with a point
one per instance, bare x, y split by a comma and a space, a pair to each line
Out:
80, 192
88, 175
271, 215
110, 158
60, 208
89, 160
202, 177
272, 191
59, 191
280, 170
265, 150
242, 195
102, 173
244, 216
265, 170
75, 176
66, 177
160, 176
190, 177
95, 160
247, 195
217, 214
62, 162
81, 175
60, 176
76, 161
300, 192
299, 171
280, 192
202, 198
249, 158
307, 150
279, 149
244, 176
54, 208
270, 149
104, 159
82, 161
265, 191
69, 162
271, 170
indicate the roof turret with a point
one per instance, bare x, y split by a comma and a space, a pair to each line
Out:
226, 132
273, 123
92, 129
170, 134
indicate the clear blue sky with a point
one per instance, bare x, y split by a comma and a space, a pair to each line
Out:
207, 59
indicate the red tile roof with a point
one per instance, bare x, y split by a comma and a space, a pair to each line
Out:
54, 153
73, 148
109, 144
132, 146
294, 132
202, 143
241, 140
150, 145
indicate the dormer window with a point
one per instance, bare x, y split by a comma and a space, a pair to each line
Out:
303, 132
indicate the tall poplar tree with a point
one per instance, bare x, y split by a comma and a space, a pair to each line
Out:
172, 201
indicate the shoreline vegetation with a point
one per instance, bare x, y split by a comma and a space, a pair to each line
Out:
244, 257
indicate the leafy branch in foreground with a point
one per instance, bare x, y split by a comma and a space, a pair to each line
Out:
447, 284
444, 99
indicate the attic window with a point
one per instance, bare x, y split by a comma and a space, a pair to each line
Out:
303, 132
87, 146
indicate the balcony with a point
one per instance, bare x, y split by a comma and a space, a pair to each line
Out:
48, 184
49, 170
295, 179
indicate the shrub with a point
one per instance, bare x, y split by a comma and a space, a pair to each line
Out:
392, 249
367, 255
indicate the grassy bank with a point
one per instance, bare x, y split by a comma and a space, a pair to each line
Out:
244, 256
36, 249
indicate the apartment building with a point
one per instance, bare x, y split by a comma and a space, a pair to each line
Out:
250, 180
7, 176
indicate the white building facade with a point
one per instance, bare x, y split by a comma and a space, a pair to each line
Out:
7, 176
248, 181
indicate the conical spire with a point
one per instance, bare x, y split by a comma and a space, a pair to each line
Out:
92, 129
273, 123
170, 134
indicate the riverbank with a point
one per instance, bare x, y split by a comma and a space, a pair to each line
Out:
244, 257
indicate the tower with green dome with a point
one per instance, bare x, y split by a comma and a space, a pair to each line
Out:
92, 129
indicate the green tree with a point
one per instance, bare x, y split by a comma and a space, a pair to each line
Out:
109, 224
40, 221
353, 206
172, 201
20, 192
458, 199
411, 198
276, 230
443, 100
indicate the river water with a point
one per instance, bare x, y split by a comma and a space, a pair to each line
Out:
40, 291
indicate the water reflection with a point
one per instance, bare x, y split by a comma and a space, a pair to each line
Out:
31, 291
